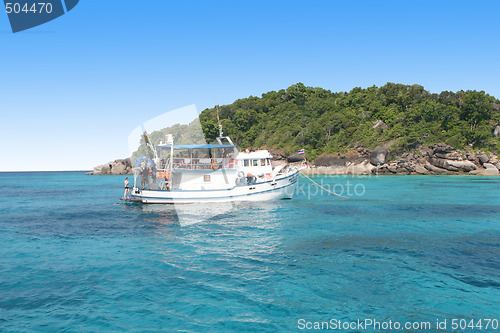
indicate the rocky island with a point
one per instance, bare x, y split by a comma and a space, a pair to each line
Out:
438, 159
116, 167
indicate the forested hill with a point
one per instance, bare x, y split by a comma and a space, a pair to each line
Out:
400, 117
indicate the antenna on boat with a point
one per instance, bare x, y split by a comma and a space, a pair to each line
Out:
218, 121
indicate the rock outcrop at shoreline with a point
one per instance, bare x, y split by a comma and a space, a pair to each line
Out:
379, 156
438, 159
117, 167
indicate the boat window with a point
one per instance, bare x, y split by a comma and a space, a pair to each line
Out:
262, 162
206, 178
246, 163
255, 162
268, 161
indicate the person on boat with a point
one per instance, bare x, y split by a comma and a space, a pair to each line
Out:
152, 174
211, 159
182, 164
126, 195
144, 176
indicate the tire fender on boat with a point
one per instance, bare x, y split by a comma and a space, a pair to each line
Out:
251, 178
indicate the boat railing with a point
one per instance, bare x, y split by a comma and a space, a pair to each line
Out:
204, 163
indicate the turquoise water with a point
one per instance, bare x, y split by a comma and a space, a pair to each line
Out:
405, 248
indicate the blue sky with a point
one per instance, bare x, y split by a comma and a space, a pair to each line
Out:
73, 89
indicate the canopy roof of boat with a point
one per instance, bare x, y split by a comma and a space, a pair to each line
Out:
202, 146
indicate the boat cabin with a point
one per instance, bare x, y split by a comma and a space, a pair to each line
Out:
256, 163
203, 167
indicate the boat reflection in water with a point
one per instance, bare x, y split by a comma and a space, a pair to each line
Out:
255, 213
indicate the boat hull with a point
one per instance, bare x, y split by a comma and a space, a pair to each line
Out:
281, 188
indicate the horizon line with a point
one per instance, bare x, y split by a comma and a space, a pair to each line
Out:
45, 170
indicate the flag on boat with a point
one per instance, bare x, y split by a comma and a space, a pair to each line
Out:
146, 138
301, 151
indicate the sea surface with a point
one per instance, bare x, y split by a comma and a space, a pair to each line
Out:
73, 258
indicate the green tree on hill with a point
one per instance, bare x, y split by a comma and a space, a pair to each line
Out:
325, 122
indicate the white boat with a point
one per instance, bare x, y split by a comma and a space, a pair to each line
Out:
180, 174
